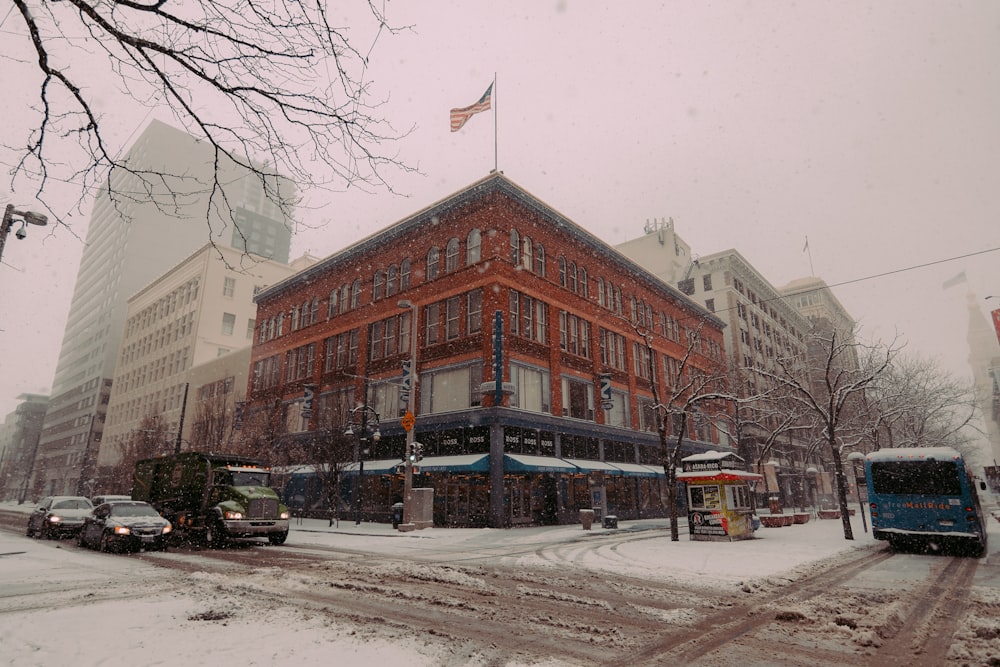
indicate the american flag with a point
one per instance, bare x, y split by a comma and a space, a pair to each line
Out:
460, 116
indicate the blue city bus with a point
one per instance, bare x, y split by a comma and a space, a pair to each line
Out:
924, 498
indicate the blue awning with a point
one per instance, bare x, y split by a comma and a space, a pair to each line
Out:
529, 463
463, 463
384, 466
638, 470
587, 465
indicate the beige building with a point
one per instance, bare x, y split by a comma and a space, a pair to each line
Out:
813, 299
200, 310
762, 325
139, 229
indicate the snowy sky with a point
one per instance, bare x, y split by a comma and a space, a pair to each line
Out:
869, 128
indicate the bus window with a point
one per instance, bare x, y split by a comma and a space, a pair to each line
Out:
937, 478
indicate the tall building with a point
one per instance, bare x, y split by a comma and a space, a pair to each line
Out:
197, 311
984, 360
140, 228
534, 397
19, 435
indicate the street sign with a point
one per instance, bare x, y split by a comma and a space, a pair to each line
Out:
408, 420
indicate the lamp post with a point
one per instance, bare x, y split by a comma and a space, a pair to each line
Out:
26, 218
774, 503
854, 457
409, 418
367, 429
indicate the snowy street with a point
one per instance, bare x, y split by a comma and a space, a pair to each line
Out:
557, 596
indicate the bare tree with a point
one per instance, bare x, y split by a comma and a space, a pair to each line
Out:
149, 440
916, 403
212, 428
689, 394
830, 384
275, 87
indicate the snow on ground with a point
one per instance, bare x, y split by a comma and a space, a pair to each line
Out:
196, 628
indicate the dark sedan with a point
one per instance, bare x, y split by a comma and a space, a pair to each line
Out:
125, 526
58, 516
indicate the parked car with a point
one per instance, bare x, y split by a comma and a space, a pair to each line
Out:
125, 526
58, 516
100, 500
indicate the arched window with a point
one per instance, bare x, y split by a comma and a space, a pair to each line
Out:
562, 271
584, 284
305, 319
391, 280
378, 284
404, 274
355, 293
295, 318
433, 263
451, 256
526, 255
345, 297
331, 306
515, 247
601, 300
473, 246
571, 277
617, 307
280, 326
539, 260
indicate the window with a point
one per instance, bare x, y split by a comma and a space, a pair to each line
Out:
229, 287
474, 312
453, 317
571, 277
710, 305
574, 334
228, 324
617, 414
251, 324
473, 247
444, 390
641, 360
706, 282
531, 388
392, 280
433, 263
540, 260
384, 399
584, 284
577, 398
355, 293
432, 323
704, 497
526, 253
647, 414
612, 349
378, 284
515, 248
404, 275
562, 271
451, 256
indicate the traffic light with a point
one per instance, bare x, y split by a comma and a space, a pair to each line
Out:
416, 452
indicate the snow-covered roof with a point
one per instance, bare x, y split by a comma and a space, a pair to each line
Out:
914, 454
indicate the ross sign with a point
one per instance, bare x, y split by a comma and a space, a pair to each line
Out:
307, 400
408, 421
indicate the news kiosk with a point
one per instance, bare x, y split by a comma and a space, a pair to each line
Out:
719, 495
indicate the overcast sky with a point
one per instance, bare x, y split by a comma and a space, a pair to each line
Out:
870, 128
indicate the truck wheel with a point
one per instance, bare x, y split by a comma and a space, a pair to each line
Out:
215, 536
277, 539
30, 532
105, 544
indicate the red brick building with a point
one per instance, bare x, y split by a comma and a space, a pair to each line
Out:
575, 425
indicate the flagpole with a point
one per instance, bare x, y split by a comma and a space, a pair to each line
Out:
495, 122
809, 252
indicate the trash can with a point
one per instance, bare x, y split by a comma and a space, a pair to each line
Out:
611, 521
586, 518
397, 514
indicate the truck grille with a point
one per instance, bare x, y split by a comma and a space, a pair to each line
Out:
263, 508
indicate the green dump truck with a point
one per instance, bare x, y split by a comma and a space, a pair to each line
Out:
212, 498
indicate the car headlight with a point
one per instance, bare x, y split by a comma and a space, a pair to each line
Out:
285, 515
167, 528
54, 519
232, 515
122, 530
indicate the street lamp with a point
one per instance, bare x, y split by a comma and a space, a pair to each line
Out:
366, 429
854, 457
26, 218
409, 418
